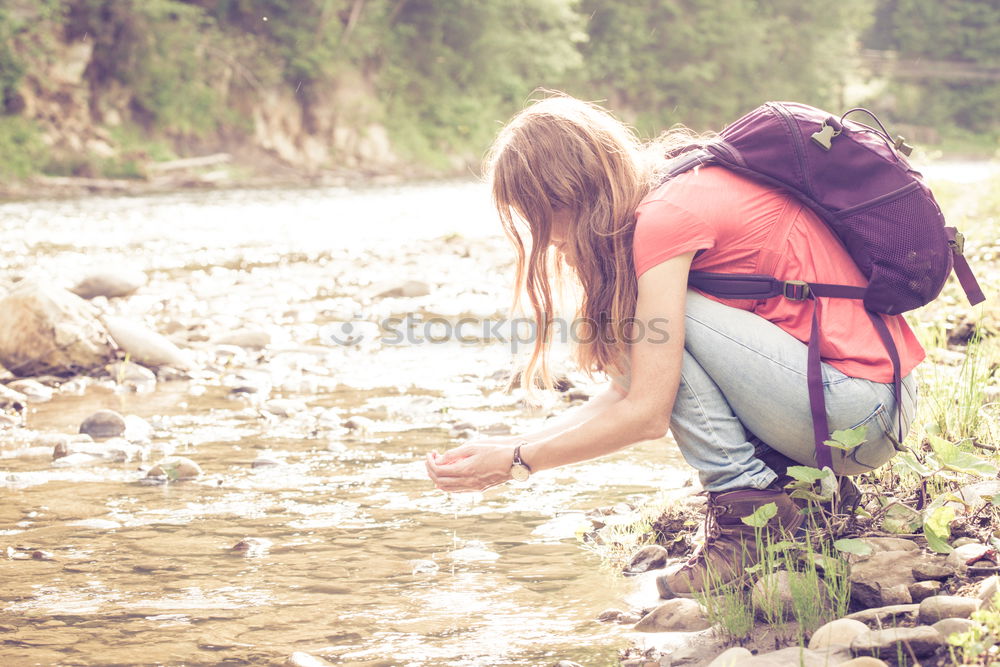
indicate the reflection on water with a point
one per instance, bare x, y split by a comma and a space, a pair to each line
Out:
339, 547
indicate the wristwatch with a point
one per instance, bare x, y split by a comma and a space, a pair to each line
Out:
519, 470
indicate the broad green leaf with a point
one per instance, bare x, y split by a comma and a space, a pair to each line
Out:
828, 484
995, 500
901, 519
937, 529
805, 473
761, 515
853, 546
803, 494
847, 439
907, 461
783, 545
953, 458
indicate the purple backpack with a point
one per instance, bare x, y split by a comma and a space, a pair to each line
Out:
857, 179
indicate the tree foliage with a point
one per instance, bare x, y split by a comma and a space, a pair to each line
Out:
444, 73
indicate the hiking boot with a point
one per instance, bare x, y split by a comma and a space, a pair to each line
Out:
730, 545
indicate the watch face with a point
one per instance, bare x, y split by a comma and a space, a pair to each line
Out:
519, 472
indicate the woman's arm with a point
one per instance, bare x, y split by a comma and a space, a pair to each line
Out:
643, 414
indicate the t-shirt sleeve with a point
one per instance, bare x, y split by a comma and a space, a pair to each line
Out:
664, 230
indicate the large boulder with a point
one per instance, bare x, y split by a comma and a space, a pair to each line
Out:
45, 330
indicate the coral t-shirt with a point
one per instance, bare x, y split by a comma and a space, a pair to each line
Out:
737, 225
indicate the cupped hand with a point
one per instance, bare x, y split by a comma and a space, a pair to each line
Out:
474, 466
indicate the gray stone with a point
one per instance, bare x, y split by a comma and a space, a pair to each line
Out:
137, 429
677, 615
940, 607
145, 345
923, 640
650, 557
731, 657
885, 577
609, 615
988, 589
839, 632
922, 590
104, 424
963, 556
949, 626
45, 329
864, 661
34, 391
109, 283
886, 615
793, 655
174, 468
932, 568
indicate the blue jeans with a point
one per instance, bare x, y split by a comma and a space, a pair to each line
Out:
743, 375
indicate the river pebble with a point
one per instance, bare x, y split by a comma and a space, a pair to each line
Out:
650, 557
949, 626
300, 659
174, 468
940, 607
32, 390
922, 640
109, 283
104, 424
677, 615
130, 374
731, 657
145, 345
841, 631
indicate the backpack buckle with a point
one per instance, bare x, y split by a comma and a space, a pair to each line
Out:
957, 244
796, 290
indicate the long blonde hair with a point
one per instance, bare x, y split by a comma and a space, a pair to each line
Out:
563, 154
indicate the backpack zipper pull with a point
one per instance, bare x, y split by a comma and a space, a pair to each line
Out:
824, 136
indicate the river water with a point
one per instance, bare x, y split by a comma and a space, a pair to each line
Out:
353, 555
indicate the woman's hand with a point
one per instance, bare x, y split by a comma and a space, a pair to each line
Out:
474, 466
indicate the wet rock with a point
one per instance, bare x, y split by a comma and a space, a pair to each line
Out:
610, 615
120, 450
898, 594
265, 461
677, 615
127, 373
650, 557
924, 589
301, 659
566, 663
253, 339
923, 640
76, 460
888, 615
174, 468
407, 288
252, 547
145, 345
103, 424
949, 626
12, 400
732, 657
46, 329
864, 661
32, 390
840, 632
109, 283
940, 607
